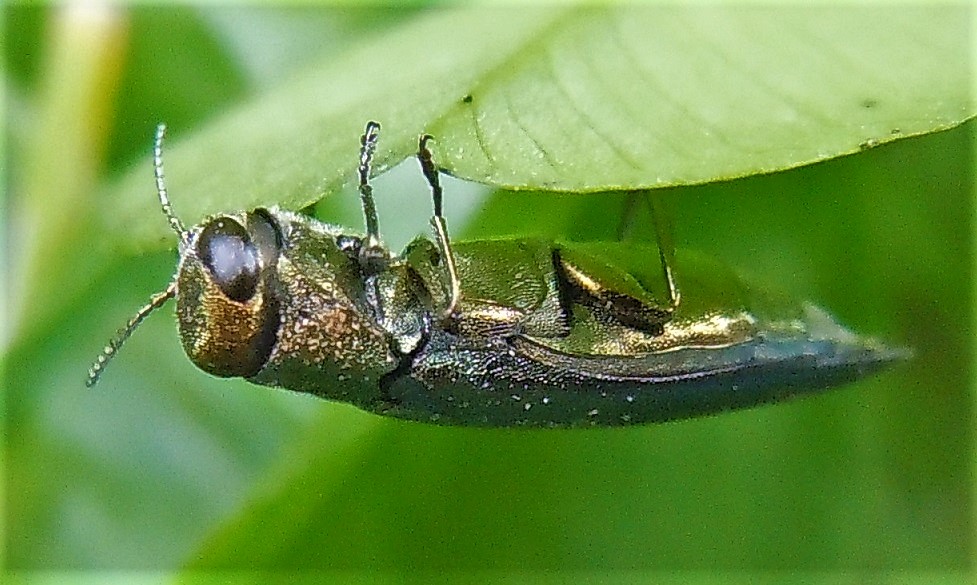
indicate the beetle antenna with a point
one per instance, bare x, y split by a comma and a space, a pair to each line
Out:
430, 170
164, 200
157, 301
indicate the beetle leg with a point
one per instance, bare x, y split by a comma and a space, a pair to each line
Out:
368, 146
666, 247
664, 239
577, 286
430, 170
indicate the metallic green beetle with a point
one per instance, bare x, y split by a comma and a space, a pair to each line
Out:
498, 333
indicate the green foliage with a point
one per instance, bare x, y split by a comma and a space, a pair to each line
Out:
642, 98
160, 466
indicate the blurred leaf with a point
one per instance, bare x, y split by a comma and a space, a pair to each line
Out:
178, 70
21, 26
580, 99
61, 163
297, 35
186, 64
129, 474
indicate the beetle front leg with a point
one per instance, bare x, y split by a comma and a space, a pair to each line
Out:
430, 170
372, 253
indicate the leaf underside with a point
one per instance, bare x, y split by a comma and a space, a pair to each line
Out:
578, 99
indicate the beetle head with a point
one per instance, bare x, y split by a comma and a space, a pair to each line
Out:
228, 299
228, 304
270, 292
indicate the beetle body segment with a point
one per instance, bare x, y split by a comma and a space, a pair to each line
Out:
529, 346
507, 332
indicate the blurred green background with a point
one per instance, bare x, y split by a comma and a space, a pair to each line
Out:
162, 467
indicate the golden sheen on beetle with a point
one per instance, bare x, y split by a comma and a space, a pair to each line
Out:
494, 333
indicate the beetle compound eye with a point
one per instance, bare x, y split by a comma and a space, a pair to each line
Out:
231, 258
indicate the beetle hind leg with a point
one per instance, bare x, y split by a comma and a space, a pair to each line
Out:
664, 237
661, 223
578, 286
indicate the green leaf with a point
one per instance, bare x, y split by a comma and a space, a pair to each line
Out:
580, 99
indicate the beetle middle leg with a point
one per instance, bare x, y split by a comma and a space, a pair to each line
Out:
430, 170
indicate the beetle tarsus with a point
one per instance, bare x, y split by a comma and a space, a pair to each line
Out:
430, 170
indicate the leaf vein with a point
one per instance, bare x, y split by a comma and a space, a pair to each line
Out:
586, 119
514, 116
